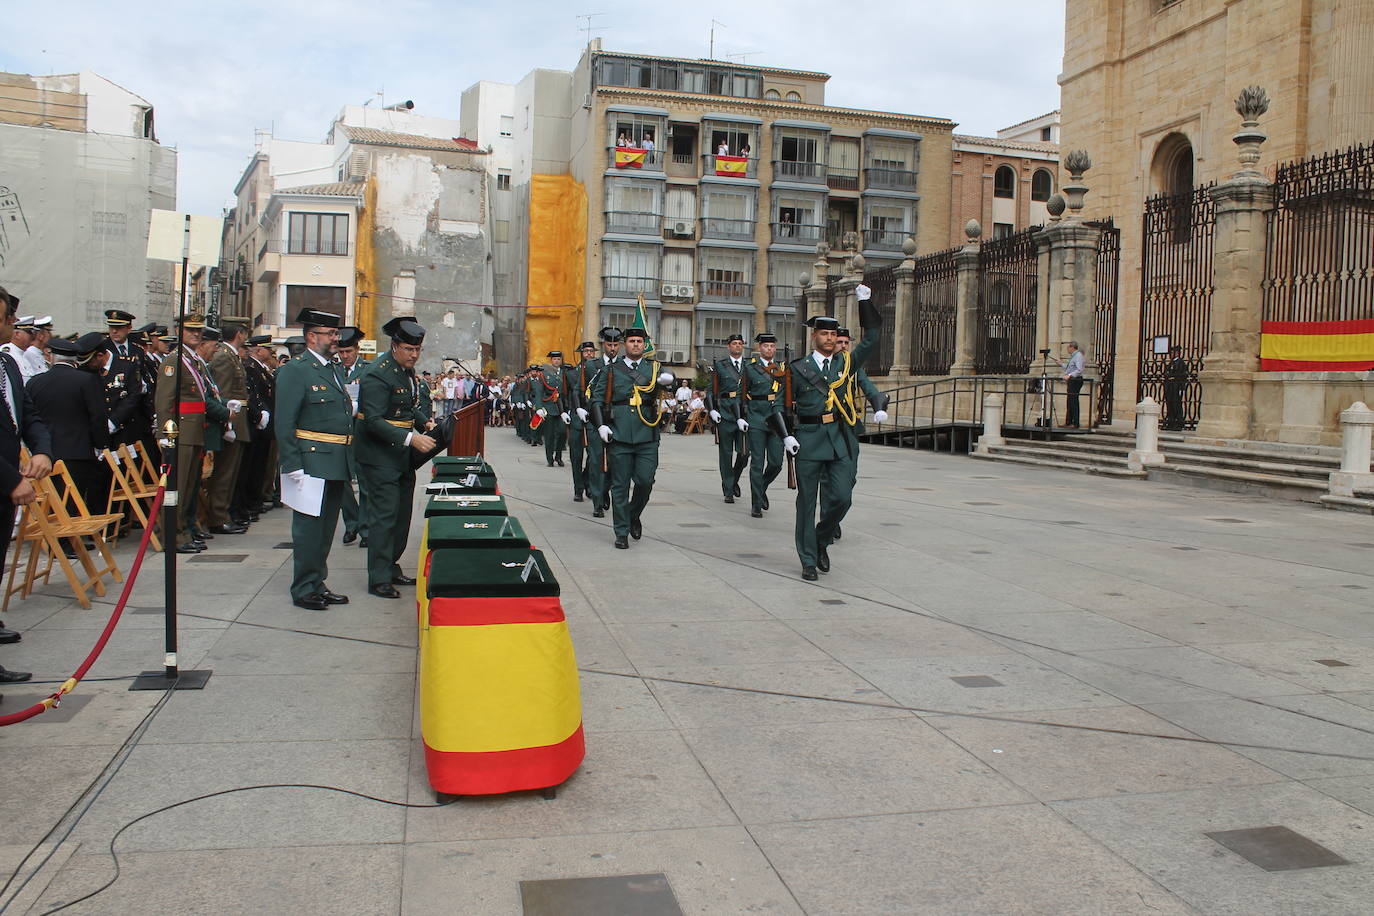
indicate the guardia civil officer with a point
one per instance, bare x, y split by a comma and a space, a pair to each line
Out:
624, 406
574, 410
598, 480
765, 381
391, 418
546, 386
725, 401
353, 366
861, 386
822, 407
314, 419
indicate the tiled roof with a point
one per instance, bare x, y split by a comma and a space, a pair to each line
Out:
374, 137
333, 189
1031, 146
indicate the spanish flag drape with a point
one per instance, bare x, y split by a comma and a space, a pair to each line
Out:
732, 166
629, 157
1317, 346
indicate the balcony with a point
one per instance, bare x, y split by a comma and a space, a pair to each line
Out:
885, 239
305, 247
797, 233
269, 263
629, 287
891, 179
843, 179
682, 165
633, 222
791, 170
726, 291
634, 159
783, 295
716, 228
730, 166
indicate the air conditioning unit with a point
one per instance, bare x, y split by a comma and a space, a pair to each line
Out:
677, 357
669, 291
682, 230
587, 101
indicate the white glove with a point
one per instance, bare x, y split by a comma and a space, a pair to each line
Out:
164, 443
791, 445
234, 406
567, 417
230, 435
743, 425
297, 476
582, 414
880, 416
267, 418
604, 432
715, 416
110, 424
541, 412
862, 292
666, 379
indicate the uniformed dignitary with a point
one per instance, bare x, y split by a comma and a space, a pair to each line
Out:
352, 367
391, 417
624, 406
21, 349
198, 408
765, 383
1176, 379
823, 408
122, 374
73, 407
154, 348
257, 451
265, 354
314, 419
575, 382
725, 401
547, 388
226, 366
860, 382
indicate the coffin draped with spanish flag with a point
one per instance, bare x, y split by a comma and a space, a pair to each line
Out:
1317, 346
499, 704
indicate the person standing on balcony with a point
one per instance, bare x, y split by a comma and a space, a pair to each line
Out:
723, 149
726, 403
622, 140
647, 143
1073, 376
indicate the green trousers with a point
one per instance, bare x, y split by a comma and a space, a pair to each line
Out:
219, 489
631, 464
832, 483
311, 537
555, 436
765, 462
732, 442
577, 454
354, 513
598, 481
387, 518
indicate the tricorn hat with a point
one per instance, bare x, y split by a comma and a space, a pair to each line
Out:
406, 330
552, 353
587, 345
636, 332
210, 334
823, 323
842, 332
314, 318
734, 337
610, 333
765, 337
349, 336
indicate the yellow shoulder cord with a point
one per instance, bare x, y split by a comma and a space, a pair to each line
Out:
844, 406
637, 395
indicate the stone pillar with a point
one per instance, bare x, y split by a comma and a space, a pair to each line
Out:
966, 303
846, 302
1071, 289
992, 424
1357, 428
816, 291
905, 308
1146, 436
1239, 238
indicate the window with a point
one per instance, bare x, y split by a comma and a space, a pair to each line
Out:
675, 336
772, 95
500, 230
677, 267
507, 125
635, 130
318, 233
737, 141
727, 275
784, 271
628, 269
727, 214
1046, 134
503, 180
794, 96
1001, 230
844, 163
716, 330
321, 298
1004, 182
1042, 185
889, 154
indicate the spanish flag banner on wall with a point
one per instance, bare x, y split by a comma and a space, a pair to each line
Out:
732, 166
628, 157
1317, 346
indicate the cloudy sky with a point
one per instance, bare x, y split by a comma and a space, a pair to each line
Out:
216, 71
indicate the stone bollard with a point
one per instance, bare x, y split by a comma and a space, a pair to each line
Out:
992, 424
1357, 424
1146, 436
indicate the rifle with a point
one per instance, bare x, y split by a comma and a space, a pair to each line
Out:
787, 406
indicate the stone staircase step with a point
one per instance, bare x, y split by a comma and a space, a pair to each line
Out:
1349, 503
1054, 451
1298, 487
1059, 464
1245, 463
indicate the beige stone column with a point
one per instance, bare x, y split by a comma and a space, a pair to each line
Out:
905, 275
846, 301
816, 291
966, 303
1071, 289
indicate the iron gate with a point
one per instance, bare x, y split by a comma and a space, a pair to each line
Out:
1176, 294
883, 282
1104, 315
1007, 289
933, 313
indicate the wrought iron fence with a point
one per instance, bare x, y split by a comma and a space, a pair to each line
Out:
1104, 314
883, 282
1008, 271
1319, 260
1176, 284
933, 313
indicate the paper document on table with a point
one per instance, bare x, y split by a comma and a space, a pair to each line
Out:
305, 497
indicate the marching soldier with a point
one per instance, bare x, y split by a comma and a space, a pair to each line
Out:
247, 501
198, 408
725, 401
860, 382
226, 366
352, 368
314, 419
624, 406
575, 382
391, 422
547, 387
519, 395
823, 409
598, 480
765, 378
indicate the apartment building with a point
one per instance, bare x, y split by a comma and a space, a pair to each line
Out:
1005, 181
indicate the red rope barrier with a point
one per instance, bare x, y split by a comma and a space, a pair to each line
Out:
70, 684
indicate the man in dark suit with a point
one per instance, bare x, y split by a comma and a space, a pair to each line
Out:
120, 364
247, 501
73, 408
20, 424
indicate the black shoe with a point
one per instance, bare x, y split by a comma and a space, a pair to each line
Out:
7, 635
621, 543
385, 590
550, 464
350, 536
757, 513
558, 460
636, 529
729, 498
12, 677
362, 542
763, 501
312, 603
598, 512
822, 560
198, 535
199, 544
809, 573
228, 529
737, 490
577, 497
189, 548
837, 533
331, 598
402, 580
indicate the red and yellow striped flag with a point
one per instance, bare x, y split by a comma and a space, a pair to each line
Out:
732, 166
1317, 346
628, 157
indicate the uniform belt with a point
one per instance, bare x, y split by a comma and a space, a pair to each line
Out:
822, 418
313, 436
192, 406
730, 394
402, 424
620, 403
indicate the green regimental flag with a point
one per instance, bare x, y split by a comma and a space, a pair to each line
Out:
642, 322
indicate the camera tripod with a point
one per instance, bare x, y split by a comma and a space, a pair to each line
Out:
1047, 412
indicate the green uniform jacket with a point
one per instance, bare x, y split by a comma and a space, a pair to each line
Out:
576, 381
390, 408
812, 399
227, 369
763, 391
195, 391
547, 386
870, 391
614, 388
727, 389
216, 411
310, 397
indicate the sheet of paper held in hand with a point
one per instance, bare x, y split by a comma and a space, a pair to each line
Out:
305, 497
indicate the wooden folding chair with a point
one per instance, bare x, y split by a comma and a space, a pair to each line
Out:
148, 465
61, 516
26, 534
696, 422
128, 487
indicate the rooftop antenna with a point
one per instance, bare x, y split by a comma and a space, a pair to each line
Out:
711, 53
743, 55
587, 27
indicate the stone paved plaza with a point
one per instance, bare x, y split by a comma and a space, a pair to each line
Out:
1019, 691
